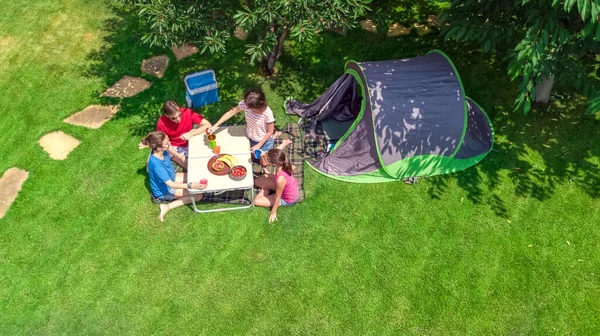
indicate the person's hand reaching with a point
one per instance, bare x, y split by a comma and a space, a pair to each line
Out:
273, 217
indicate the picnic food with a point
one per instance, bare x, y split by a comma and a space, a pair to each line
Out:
228, 160
218, 165
237, 172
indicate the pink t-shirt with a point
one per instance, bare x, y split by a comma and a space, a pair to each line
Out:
290, 191
256, 123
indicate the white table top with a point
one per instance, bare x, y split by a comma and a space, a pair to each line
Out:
233, 141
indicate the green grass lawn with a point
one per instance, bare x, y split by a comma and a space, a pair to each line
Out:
510, 246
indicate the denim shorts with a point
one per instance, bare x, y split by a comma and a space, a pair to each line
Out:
181, 150
284, 203
168, 197
265, 147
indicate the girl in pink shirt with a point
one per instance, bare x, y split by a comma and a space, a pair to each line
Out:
282, 182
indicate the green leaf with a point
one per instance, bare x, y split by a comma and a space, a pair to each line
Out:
527, 105
555, 2
461, 32
594, 11
569, 5
486, 46
598, 32
594, 106
584, 10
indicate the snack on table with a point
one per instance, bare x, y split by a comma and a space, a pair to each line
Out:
238, 173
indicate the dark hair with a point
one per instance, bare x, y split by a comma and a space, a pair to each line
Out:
277, 157
255, 98
170, 108
154, 140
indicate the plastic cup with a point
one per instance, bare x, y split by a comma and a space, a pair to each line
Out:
257, 153
212, 144
217, 149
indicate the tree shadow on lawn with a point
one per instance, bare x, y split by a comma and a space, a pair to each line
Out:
539, 152
123, 53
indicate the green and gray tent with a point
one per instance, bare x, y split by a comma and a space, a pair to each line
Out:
396, 119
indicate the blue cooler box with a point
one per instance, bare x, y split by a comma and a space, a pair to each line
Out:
201, 88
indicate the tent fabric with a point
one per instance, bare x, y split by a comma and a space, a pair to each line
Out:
410, 117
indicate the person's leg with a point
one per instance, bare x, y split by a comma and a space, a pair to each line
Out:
264, 201
182, 197
265, 182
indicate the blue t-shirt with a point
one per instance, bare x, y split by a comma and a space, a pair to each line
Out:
160, 171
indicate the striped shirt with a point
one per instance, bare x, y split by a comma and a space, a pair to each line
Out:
256, 123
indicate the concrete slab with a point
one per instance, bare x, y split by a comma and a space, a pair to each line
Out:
433, 20
58, 144
422, 29
397, 29
127, 87
93, 116
368, 25
10, 184
155, 66
185, 51
240, 33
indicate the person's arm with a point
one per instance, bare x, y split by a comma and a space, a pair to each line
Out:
173, 152
224, 118
203, 126
183, 185
281, 182
270, 131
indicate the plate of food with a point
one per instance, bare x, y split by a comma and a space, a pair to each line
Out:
238, 173
221, 164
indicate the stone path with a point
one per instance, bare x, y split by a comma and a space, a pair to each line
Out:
58, 144
155, 66
397, 29
127, 87
185, 51
93, 116
10, 184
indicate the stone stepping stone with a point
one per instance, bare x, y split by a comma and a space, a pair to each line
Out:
10, 184
422, 29
397, 29
156, 66
93, 116
184, 51
58, 144
127, 87
240, 33
368, 25
433, 20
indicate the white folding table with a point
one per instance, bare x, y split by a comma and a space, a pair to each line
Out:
233, 141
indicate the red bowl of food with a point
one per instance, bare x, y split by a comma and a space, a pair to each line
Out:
238, 173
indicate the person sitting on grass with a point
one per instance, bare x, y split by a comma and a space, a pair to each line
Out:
260, 127
165, 184
178, 124
282, 182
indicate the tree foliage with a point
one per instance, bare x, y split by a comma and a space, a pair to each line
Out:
268, 23
538, 38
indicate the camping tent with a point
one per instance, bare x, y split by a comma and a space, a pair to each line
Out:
395, 119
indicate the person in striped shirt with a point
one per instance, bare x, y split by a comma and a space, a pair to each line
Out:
260, 122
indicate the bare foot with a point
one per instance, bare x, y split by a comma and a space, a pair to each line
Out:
164, 208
